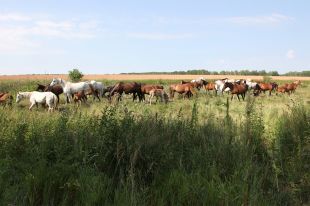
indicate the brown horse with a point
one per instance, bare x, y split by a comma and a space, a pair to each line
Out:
1, 94
56, 89
291, 87
6, 99
184, 89
79, 97
236, 89
198, 84
158, 93
282, 89
127, 88
210, 86
146, 88
268, 87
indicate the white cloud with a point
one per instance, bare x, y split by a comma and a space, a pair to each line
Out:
14, 17
291, 54
270, 19
18, 36
160, 36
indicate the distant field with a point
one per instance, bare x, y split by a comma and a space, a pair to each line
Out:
145, 77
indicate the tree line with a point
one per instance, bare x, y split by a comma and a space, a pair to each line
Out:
235, 72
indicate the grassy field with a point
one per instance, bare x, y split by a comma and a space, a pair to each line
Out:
204, 151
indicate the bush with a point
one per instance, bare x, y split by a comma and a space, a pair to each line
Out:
75, 75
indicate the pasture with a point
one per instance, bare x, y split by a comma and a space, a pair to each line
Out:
206, 150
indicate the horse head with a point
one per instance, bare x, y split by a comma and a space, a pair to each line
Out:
56, 81
274, 85
204, 82
229, 85
19, 97
41, 87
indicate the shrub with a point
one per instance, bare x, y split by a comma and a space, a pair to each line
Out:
75, 75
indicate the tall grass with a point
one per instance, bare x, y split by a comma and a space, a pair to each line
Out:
118, 157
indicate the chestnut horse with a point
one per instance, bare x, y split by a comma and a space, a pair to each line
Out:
56, 89
184, 89
291, 87
198, 84
146, 88
127, 88
6, 99
268, 87
158, 93
79, 97
236, 89
210, 86
282, 89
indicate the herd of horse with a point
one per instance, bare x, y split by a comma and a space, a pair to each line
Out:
79, 92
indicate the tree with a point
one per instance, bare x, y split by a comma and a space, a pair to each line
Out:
75, 75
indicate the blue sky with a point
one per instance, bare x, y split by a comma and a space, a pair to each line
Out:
98, 37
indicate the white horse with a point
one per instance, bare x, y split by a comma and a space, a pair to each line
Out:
70, 88
219, 85
198, 79
251, 85
98, 86
35, 97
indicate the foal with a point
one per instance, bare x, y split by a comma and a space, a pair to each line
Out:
6, 99
79, 97
158, 93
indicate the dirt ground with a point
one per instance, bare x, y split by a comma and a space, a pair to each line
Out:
144, 77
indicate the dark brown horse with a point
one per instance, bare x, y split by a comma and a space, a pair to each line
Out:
268, 87
56, 89
238, 89
186, 89
127, 88
6, 99
146, 88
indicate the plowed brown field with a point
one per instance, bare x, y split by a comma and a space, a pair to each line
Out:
144, 77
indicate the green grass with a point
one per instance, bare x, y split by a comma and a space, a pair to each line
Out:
203, 151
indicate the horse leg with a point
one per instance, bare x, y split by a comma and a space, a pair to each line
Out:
231, 97
150, 99
68, 98
32, 104
134, 96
